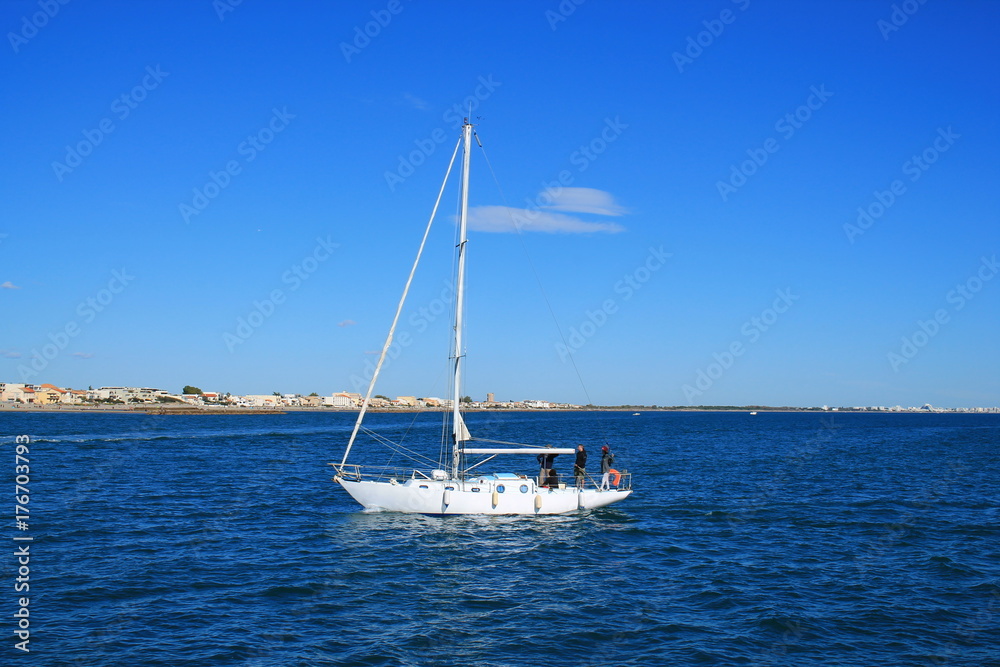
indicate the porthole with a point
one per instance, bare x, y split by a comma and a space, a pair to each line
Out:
475, 489
500, 488
524, 488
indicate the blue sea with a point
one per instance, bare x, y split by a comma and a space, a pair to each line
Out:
775, 539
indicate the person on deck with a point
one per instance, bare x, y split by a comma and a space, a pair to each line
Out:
552, 480
580, 466
545, 462
607, 460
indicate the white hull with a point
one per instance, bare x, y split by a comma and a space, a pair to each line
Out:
476, 496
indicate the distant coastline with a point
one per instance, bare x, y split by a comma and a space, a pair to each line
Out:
167, 409
47, 397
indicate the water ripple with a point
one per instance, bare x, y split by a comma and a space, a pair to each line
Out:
768, 541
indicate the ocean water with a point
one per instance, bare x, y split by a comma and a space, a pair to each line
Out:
775, 539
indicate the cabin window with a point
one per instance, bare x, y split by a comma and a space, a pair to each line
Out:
500, 488
423, 486
475, 489
524, 488
449, 488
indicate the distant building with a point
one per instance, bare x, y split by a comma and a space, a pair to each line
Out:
490, 398
75, 396
126, 394
49, 394
342, 400
16, 392
258, 400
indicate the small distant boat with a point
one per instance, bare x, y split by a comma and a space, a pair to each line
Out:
753, 413
635, 414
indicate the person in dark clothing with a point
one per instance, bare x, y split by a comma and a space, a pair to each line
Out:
607, 460
553, 478
580, 466
545, 463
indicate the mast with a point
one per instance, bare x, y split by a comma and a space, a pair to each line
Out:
399, 310
459, 433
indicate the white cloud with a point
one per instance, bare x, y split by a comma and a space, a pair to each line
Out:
416, 102
584, 200
544, 217
10, 354
346, 323
9, 285
83, 355
504, 219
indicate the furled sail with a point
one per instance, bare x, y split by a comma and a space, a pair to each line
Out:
462, 433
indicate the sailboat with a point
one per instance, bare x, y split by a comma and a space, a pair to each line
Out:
458, 485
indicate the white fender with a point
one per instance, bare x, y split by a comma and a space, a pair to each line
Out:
538, 501
447, 497
496, 497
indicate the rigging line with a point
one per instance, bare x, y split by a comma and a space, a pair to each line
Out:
416, 414
534, 272
476, 465
396, 447
399, 310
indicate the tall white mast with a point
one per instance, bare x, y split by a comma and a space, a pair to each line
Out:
459, 432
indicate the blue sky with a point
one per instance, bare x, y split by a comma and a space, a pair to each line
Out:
693, 174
